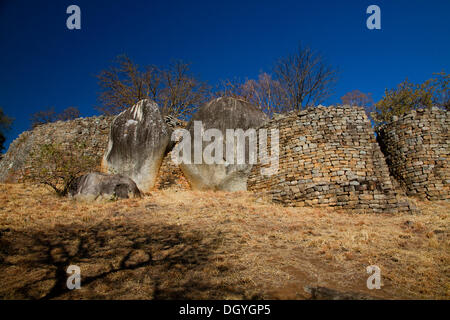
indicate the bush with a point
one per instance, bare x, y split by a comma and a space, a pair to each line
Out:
57, 167
410, 96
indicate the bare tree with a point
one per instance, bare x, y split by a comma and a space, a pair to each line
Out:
265, 92
5, 125
233, 88
49, 115
182, 93
299, 80
441, 90
305, 77
360, 99
42, 117
69, 113
175, 89
123, 85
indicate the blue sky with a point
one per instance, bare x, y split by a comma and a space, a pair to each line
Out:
44, 64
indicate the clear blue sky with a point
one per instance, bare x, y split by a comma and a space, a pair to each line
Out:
44, 64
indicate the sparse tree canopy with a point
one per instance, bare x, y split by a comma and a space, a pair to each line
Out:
409, 96
2, 142
43, 117
124, 84
49, 115
182, 93
175, 89
69, 113
5, 124
57, 167
359, 99
265, 93
441, 95
306, 79
299, 80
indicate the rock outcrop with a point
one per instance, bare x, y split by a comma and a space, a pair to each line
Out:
221, 114
101, 186
138, 140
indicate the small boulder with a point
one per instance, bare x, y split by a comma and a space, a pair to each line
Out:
222, 114
138, 140
97, 186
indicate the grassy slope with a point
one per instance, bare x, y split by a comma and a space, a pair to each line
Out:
212, 245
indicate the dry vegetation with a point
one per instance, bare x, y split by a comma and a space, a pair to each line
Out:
216, 245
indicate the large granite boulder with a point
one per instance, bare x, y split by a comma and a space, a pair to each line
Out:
98, 186
138, 140
222, 114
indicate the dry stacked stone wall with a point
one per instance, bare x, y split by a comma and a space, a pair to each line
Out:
328, 157
417, 150
171, 176
93, 131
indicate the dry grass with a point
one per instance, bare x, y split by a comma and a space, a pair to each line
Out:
214, 245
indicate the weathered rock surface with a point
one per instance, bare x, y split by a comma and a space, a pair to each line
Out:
97, 186
222, 114
138, 141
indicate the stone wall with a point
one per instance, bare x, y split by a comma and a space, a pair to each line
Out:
417, 150
93, 131
328, 157
171, 176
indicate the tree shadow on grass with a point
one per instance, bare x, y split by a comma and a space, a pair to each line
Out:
117, 261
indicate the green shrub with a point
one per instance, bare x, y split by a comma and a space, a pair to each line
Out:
57, 167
